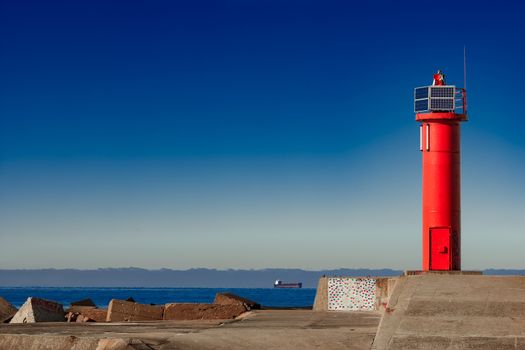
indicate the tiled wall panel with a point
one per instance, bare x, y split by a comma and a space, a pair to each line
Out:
351, 294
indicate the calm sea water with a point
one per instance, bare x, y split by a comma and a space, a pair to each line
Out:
271, 297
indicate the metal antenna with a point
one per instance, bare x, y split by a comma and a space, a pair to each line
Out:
465, 67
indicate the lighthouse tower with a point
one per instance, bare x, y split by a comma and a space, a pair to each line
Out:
440, 109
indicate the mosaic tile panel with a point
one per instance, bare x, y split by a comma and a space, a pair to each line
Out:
351, 294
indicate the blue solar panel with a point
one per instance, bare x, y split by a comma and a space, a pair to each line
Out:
442, 91
421, 105
421, 93
442, 104
435, 98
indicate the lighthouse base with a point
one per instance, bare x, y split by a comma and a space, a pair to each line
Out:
437, 272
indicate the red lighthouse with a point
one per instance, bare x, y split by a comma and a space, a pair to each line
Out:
440, 109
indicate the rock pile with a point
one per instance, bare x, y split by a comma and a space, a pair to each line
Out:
224, 306
86, 315
85, 311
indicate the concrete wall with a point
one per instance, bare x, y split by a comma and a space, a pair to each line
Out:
353, 293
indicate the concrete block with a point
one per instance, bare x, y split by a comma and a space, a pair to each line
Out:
83, 302
7, 310
78, 309
121, 310
87, 315
96, 315
39, 310
186, 311
232, 299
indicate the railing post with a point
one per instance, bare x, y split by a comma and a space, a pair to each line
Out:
464, 95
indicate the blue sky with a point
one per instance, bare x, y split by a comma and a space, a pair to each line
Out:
249, 134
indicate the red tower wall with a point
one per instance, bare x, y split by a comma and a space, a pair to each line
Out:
440, 145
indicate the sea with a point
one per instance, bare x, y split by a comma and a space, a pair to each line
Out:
268, 297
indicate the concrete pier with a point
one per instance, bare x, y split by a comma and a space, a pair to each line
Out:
428, 311
257, 330
454, 311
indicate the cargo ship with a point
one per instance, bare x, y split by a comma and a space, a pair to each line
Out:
281, 284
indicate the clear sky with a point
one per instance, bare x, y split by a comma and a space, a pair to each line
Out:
250, 134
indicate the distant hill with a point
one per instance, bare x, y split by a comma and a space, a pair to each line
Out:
198, 278
505, 272
137, 277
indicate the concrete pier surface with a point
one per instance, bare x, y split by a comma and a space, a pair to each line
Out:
261, 329
454, 311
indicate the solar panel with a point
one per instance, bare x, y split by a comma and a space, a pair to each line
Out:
421, 92
442, 91
421, 105
442, 104
434, 98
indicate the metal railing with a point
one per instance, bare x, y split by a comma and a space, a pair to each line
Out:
461, 101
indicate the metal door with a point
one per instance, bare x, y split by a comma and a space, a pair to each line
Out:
440, 256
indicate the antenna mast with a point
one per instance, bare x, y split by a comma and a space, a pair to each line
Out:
465, 67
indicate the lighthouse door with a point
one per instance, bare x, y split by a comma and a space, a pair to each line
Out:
440, 258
